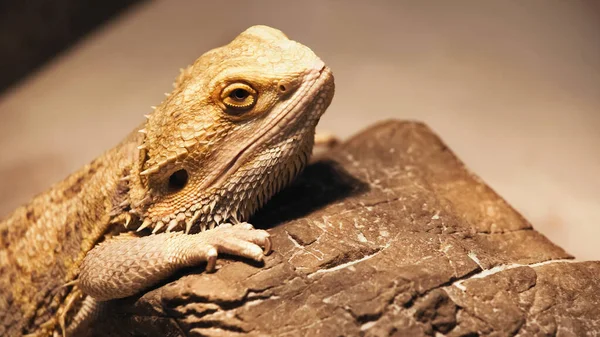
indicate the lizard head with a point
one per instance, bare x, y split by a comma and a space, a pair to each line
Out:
238, 126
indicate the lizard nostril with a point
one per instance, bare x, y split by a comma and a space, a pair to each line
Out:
178, 180
287, 86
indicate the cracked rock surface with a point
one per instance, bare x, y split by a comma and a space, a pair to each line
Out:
386, 235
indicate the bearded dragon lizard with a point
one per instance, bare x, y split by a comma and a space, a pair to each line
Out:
238, 126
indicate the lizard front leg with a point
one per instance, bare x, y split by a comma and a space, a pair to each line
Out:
122, 267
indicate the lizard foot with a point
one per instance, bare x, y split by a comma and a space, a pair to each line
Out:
240, 240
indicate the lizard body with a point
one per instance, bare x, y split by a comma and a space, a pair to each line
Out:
238, 126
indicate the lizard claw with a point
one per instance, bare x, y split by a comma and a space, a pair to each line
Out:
211, 260
268, 246
238, 240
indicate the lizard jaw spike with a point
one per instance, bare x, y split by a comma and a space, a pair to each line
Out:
157, 227
172, 224
127, 220
190, 222
141, 202
145, 224
149, 171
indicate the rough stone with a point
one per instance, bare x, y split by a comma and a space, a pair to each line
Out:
386, 235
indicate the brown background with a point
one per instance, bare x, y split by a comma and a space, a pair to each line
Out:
31, 32
512, 86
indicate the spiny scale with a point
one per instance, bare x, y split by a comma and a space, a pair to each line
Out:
172, 224
128, 218
145, 224
157, 227
190, 222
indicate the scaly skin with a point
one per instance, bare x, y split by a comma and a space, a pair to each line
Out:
238, 126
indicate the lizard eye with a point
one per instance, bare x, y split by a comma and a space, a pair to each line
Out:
239, 96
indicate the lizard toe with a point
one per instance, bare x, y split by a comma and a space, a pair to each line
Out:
240, 247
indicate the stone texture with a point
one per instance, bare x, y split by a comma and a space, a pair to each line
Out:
386, 235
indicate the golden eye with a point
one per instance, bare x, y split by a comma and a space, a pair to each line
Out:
239, 96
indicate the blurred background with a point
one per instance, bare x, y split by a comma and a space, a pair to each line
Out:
513, 87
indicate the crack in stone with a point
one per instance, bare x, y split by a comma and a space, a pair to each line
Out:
497, 269
255, 300
294, 241
348, 264
443, 248
507, 231
181, 330
368, 325
472, 313
362, 205
416, 296
216, 324
472, 256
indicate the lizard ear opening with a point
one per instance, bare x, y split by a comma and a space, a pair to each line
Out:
178, 180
